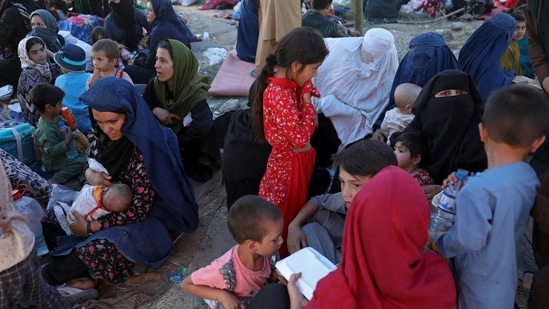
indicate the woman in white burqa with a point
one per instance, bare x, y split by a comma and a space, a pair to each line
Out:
355, 82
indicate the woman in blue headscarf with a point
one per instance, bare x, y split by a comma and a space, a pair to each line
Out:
481, 54
164, 24
136, 150
428, 56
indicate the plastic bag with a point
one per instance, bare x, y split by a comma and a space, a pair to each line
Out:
60, 193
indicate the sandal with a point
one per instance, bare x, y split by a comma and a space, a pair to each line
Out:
75, 295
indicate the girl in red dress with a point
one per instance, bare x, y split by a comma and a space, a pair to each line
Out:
285, 117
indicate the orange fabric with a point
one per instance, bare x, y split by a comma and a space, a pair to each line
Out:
383, 261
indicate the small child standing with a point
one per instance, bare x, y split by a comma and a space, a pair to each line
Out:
493, 207
52, 143
510, 61
235, 278
398, 118
105, 56
285, 117
410, 149
72, 60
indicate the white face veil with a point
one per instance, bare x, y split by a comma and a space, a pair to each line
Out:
355, 82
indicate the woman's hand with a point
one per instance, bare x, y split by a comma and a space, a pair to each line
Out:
164, 116
125, 54
297, 300
80, 225
98, 178
378, 136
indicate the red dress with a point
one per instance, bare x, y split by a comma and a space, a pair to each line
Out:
288, 125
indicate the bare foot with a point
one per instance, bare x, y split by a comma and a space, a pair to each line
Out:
81, 283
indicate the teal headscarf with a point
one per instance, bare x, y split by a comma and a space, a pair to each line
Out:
189, 86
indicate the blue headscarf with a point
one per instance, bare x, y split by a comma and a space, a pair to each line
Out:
166, 24
428, 56
481, 54
174, 206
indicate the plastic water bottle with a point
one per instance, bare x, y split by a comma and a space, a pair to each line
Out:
31, 210
72, 152
446, 211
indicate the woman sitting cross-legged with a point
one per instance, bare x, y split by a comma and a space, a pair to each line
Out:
177, 97
139, 152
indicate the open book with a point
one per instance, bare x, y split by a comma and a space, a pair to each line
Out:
312, 265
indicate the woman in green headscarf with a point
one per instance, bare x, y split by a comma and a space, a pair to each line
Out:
177, 97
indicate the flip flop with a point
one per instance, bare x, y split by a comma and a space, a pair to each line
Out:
75, 295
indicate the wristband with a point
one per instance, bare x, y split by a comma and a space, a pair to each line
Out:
89, 228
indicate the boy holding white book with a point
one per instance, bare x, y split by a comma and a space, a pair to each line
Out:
233, 279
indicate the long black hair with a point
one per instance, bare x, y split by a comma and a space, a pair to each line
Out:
303, 45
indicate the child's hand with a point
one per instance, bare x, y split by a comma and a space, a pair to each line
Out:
431, 190
295, 239
68, 136
230, 301
307, 97
164, 116
95, 76
450, 180
310, 90
80, 225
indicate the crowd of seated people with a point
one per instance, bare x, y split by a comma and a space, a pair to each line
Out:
332, 112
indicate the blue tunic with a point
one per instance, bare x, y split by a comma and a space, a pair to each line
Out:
492, 212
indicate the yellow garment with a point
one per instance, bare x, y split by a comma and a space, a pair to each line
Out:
511, 59
276, 19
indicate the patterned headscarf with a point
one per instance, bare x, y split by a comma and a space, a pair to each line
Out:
26, 61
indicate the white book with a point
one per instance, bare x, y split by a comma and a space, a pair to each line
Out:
312, 265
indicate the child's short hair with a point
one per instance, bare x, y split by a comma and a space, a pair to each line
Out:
416, 144
99, 33
247, 217
365, 158
43, 94
321, 4
516, 115
518, 16
108, 46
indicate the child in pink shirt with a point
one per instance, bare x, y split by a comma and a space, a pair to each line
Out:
235, 278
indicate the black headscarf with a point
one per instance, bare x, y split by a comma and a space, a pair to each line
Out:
124, 17
450, 125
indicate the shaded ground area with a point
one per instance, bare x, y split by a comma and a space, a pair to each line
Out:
212, 239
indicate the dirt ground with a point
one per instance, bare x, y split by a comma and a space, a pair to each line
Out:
212, 238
